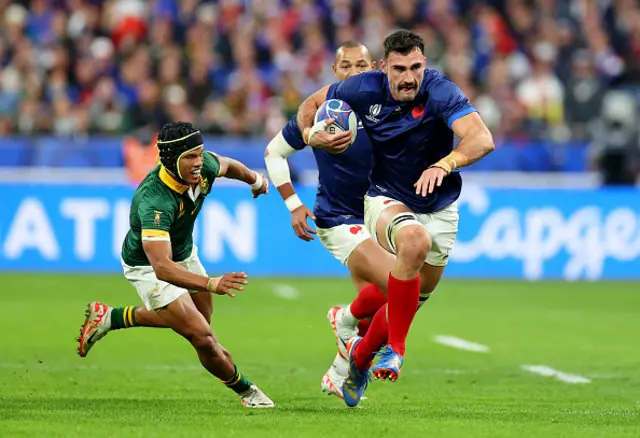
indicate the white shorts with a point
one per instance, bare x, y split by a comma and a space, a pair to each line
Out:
341, 240
441, 225
156, 294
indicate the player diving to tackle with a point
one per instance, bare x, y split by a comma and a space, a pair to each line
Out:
161, 261
339, 216
410, 114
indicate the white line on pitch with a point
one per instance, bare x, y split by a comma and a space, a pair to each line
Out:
547, 371
462, 344
286, 291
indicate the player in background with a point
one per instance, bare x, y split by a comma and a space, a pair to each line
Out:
339, 214
161, 261
411, 115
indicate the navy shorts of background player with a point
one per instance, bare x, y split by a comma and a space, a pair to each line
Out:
407, 137
343, 179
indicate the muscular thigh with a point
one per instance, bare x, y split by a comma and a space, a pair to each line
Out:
378, 213
184, 318
204, 303
202, 300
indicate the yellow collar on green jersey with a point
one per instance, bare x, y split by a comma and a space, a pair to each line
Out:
171, 182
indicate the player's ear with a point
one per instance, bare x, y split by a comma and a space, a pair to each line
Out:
383, 66
333, 66
373, 65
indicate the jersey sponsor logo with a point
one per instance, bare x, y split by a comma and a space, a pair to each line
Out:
156, 219
374, 111
356, 229
417, 112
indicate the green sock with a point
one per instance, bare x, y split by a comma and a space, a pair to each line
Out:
238, 383
123, 317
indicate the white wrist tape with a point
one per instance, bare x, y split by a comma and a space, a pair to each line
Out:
320, 126
293, 202
259, 181
276, 160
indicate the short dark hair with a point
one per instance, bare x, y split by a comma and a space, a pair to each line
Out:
403, 41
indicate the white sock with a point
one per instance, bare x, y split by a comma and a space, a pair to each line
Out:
348, 318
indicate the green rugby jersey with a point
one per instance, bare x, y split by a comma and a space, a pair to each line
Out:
164, 209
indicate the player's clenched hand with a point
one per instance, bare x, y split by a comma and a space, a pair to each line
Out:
226, 284
299, 223
263, 189
429, 180
319, 138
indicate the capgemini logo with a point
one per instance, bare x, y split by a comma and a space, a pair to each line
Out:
580, 240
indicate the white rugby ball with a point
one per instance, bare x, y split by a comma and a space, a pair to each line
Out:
345, 118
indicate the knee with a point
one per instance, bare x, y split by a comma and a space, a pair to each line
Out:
203, 340
413, 244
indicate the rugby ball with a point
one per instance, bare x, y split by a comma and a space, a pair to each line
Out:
341, 112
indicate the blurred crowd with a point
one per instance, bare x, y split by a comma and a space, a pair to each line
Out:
535, 69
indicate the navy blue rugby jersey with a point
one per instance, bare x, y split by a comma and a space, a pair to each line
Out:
343, 179
407, 137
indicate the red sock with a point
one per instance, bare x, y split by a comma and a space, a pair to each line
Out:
363, 326
375, 338
403, 304
368, 301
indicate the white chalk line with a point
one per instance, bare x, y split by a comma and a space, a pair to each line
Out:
286, 291
547, 371
461, 344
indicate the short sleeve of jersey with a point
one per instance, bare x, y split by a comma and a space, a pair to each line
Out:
346, 90
292, 135
156, 216
450, 103
211, 164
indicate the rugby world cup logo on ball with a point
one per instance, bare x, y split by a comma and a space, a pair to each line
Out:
341, 112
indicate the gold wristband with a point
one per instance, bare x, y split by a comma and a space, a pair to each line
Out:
211, 287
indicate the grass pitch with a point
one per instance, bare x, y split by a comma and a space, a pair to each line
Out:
147, 382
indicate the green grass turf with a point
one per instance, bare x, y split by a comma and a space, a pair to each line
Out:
147, 382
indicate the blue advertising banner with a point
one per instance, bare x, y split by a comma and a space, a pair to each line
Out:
504, 233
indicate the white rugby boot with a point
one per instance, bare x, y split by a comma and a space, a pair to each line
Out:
96, 325
342, 330
255, 398
334, 377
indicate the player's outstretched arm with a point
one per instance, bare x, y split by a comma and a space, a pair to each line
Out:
159, 254
476, 142
314, 134
234, 169
275, 158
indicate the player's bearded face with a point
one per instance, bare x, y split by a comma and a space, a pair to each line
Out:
405, 74
190, 166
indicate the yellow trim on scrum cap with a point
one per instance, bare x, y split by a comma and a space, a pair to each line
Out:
182, 154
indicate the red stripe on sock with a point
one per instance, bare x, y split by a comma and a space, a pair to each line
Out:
403, 304
368, 301
375, 338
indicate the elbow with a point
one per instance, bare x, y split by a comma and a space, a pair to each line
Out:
487, 143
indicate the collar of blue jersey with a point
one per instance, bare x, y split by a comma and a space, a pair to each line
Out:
171, 181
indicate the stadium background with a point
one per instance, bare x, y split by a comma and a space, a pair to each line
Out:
85, 85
